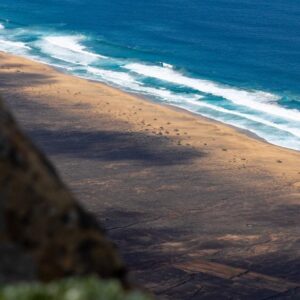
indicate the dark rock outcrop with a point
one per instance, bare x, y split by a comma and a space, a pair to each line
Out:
44, 233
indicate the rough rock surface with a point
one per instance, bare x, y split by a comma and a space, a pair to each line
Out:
44, 233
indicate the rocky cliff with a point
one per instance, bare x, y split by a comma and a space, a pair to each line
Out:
44, 233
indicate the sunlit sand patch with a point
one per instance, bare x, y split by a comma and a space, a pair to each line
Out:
239, 238
168, 188
297, 185
202, 253
115, 165
173, 246
141, 190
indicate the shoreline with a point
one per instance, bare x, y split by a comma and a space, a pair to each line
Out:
175, 191
146, 99
247, 132
177, 108
142, 97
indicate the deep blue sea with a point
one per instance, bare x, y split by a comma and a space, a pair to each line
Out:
235, 61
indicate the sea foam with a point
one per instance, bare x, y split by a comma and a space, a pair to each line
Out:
129, 82
13, 46
68, 48
256, 100
182, 100
282, 127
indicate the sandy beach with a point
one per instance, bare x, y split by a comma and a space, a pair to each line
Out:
197, 208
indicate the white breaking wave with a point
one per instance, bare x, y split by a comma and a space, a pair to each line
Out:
165, 65
68, 48
251, 99
186, 100
130, 83
282, 127
282, 140
13, 47
119, 78
72, 43
125, 79
1, 26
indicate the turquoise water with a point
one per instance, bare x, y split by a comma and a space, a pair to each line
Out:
235, 61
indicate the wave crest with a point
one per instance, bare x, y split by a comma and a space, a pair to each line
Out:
68, 48
13, 46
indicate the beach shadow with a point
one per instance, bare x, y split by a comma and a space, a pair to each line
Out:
8, 66
113, 146
21, 79
99, 145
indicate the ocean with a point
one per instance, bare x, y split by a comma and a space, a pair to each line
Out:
235, 61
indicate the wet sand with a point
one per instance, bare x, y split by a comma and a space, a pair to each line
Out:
200, 210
